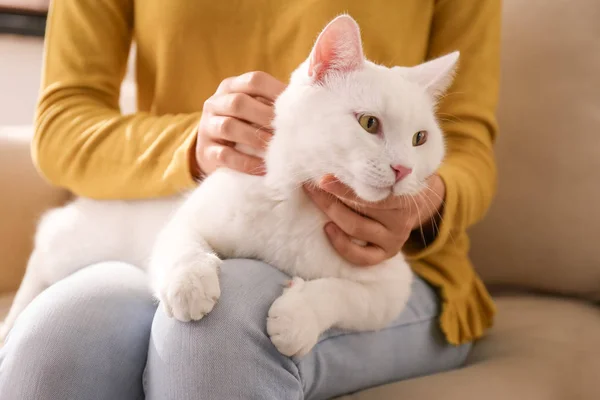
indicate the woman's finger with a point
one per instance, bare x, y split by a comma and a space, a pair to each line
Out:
257, 83
353, 224
241, 106
408, 215
233, 130
354, 253
393, 220
226, 156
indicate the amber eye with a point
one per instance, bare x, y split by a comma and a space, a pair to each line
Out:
369, 123
419, 138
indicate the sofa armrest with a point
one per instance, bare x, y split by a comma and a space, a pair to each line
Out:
24, 196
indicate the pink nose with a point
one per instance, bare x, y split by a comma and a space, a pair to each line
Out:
401, 171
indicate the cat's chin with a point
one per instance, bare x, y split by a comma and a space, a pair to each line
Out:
406, 189
372, 193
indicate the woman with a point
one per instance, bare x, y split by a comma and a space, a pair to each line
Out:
98, 334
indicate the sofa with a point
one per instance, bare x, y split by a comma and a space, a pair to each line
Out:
40, 6
537, 249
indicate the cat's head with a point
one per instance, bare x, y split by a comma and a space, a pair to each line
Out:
372, 127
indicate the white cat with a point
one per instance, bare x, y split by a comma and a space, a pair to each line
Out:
322, 126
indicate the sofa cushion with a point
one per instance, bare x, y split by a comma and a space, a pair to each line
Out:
540, 349
543, 228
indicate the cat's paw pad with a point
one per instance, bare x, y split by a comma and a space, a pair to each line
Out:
190, 292
292, 323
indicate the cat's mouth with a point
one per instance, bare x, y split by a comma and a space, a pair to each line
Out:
386, 188
379, 185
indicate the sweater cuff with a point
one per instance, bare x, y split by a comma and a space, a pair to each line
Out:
184, 177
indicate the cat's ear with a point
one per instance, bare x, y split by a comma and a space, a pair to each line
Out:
435, 75
338, 49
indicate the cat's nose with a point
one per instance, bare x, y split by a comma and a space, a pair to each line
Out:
401, 171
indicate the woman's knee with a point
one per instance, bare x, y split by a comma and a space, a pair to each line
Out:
227, 353
87, 331
248, 288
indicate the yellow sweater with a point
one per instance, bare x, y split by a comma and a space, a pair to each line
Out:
185, 48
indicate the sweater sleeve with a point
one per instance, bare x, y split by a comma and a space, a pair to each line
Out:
466, 113
82, 141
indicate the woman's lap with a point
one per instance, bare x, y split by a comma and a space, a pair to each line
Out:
225, 355
76, 338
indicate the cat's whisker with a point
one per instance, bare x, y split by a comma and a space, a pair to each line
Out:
443, 203
409, 206
421, 193
436, 227
448, 120
425, 186
419, 216
430, 209
447, 115
405, 202
448, 94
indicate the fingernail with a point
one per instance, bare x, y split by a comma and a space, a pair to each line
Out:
324, 183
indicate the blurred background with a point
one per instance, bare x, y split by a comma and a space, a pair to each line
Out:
22, 25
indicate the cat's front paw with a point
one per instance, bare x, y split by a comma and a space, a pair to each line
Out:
189, 292
292, 324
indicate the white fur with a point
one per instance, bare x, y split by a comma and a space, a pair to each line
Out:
181, 241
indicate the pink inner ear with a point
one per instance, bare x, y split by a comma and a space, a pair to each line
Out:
338, 49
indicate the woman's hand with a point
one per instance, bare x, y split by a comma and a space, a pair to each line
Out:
240, 111
384, 226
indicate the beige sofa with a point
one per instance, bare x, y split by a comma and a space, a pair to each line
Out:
25, 5
537, 248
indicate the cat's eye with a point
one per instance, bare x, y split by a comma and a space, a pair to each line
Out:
419, 138
369, 123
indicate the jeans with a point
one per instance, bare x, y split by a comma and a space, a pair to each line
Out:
98, 335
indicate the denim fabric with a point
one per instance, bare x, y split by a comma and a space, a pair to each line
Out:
97, 335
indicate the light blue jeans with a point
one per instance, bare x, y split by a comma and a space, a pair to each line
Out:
98, 335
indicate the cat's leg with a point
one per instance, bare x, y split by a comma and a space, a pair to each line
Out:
308, 308
183, 267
